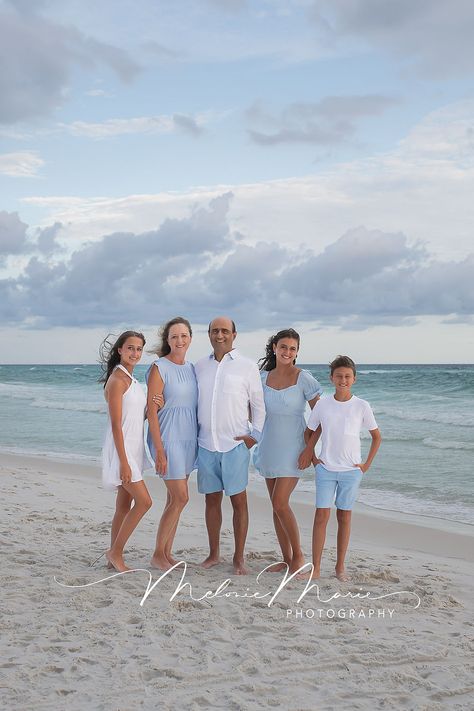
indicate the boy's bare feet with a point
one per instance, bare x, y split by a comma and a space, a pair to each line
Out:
116, 561
160, 562
210, 561
239, 567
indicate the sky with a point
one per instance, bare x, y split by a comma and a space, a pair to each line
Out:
289, 163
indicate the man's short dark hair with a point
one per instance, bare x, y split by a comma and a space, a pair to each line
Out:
342, 361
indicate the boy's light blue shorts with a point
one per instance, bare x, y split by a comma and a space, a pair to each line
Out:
341, 486
223, 471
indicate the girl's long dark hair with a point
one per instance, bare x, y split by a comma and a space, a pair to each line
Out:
163, 347
109, 355
268, 362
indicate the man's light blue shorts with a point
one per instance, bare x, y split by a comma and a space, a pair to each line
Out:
223, 471
341, 486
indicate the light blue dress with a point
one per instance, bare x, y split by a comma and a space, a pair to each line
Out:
177, 418
282, 441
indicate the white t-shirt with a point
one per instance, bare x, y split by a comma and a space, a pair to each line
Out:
341, 424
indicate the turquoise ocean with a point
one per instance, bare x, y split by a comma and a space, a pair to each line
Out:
425, 414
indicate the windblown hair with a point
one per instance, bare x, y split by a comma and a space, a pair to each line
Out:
109, 355
268, 362
342, 361
163, 348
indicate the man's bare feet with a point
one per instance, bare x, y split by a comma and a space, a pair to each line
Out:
210, 561
160, 562
342, 575
277, 567
116, 561
239, 567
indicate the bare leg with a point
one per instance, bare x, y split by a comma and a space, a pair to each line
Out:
343, 535
123, 503
241, 523
321, 518
176, 501
142, 502
286, 551
281, 507
213, 524
169, 542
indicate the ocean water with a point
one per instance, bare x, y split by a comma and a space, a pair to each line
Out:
425, 414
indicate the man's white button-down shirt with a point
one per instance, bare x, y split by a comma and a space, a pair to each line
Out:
230, 393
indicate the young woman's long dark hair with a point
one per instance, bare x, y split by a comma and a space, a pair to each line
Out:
163, 347
109, 355
268, 362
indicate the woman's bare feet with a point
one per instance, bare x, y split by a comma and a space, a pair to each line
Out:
160, 562
239, 567
210, 561
170, 558
296, 563
116, 561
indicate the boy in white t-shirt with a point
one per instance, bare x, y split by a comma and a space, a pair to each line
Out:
339, 470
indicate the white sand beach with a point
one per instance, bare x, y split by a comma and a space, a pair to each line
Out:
96, 647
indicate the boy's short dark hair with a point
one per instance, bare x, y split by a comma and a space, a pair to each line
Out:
342, 362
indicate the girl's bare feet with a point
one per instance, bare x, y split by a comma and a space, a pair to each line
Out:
160, 561
116, 561
277, 567
296, 563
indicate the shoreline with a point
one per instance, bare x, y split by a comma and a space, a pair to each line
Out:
371, 527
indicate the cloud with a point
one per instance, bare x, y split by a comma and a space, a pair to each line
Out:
47, 239
138, 125
188, 124
13, 236
197, 266
22, 164
41, 57
432, 35
327, 122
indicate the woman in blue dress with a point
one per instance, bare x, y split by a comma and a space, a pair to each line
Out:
172, 430
286, 389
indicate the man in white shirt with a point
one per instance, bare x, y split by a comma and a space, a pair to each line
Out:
230, 390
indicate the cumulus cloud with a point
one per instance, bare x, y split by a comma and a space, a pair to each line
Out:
41, 56
22, 164
433, 35
327, 122
197, 266
13, 236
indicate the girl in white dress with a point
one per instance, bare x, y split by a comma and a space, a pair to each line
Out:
123, 455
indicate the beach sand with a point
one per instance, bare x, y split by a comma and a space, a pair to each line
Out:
96, 647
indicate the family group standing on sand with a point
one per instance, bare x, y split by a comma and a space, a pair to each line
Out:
209, 416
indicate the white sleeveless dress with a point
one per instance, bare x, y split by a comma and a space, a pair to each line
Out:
133, 420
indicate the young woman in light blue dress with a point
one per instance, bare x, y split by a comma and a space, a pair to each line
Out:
172, 430
286, 389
